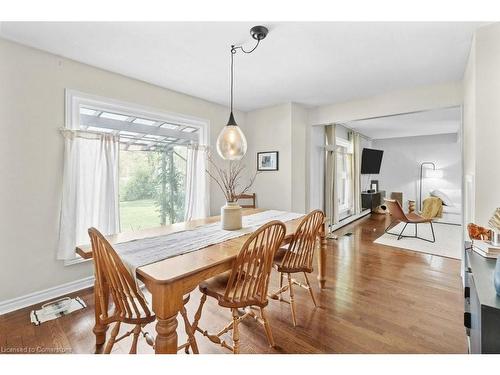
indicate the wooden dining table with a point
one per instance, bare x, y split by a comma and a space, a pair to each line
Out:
170, 279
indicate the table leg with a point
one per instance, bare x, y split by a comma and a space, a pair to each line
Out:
322, 257
100, 328
166, 306
166, 338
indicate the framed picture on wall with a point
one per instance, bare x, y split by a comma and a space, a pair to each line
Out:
267, 161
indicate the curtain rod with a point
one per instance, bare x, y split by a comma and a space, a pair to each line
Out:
151, 142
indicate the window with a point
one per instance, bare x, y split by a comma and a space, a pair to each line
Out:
127, 168
152, 166
151, 186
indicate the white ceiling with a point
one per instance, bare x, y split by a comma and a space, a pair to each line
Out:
440, 121
309, 63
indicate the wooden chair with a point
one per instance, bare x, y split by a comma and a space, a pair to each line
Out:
298, 258
130, 306
245, 286
247, 196
410, 218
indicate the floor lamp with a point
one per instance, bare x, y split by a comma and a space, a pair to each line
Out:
421, 178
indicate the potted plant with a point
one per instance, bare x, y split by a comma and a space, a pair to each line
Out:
229, 180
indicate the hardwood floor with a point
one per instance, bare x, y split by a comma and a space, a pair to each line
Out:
378, 299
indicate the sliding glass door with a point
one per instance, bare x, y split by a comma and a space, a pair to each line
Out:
340, 183
344, 178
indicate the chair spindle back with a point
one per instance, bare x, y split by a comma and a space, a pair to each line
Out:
109, 268
251, 197
249, 280
299, 256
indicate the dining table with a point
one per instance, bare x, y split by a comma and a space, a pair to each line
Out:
168, 280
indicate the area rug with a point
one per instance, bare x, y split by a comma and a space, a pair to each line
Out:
53, 311
448, 239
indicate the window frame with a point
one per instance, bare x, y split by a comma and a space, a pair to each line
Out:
75, 99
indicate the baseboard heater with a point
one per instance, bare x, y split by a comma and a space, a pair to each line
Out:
348, 220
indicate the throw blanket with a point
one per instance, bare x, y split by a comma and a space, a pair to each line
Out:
145, 251
432, 207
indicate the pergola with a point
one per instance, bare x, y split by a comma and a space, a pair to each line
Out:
137, 133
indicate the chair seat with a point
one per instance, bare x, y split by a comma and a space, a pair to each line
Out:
279, 255
415, 218
216, 288
140, 316
134, 317
278, 262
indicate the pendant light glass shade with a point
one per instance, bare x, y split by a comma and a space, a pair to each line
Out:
231, 143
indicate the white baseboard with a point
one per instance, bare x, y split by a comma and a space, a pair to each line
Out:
45, 295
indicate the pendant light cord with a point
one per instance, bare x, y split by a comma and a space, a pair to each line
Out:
233, 52
234, 48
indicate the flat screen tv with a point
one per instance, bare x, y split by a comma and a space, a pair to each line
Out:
371, 160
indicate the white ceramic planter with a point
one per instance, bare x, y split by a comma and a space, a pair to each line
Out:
495, 238
230, 216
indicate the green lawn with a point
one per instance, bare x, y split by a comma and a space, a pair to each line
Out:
138, 214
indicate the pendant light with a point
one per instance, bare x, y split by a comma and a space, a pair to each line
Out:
231, 142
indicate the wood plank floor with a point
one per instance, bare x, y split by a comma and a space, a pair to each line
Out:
378, 299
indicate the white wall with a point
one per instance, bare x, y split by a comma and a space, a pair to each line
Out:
400, 170
482, 121
269, 129
299, 129
469, 137
31, 156
282, 128
316, 167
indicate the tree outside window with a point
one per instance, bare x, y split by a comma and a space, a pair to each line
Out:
152, 187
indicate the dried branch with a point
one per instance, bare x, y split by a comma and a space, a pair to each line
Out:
249, 185
218, 183
221, 180
229, 179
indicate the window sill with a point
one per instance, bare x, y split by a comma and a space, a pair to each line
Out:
77, 260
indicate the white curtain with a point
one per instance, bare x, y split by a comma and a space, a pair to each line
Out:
90, 189
350, 183
356, 143
331, 193
196, 198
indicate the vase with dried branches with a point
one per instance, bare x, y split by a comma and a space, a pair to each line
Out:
494, 224
230, 180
